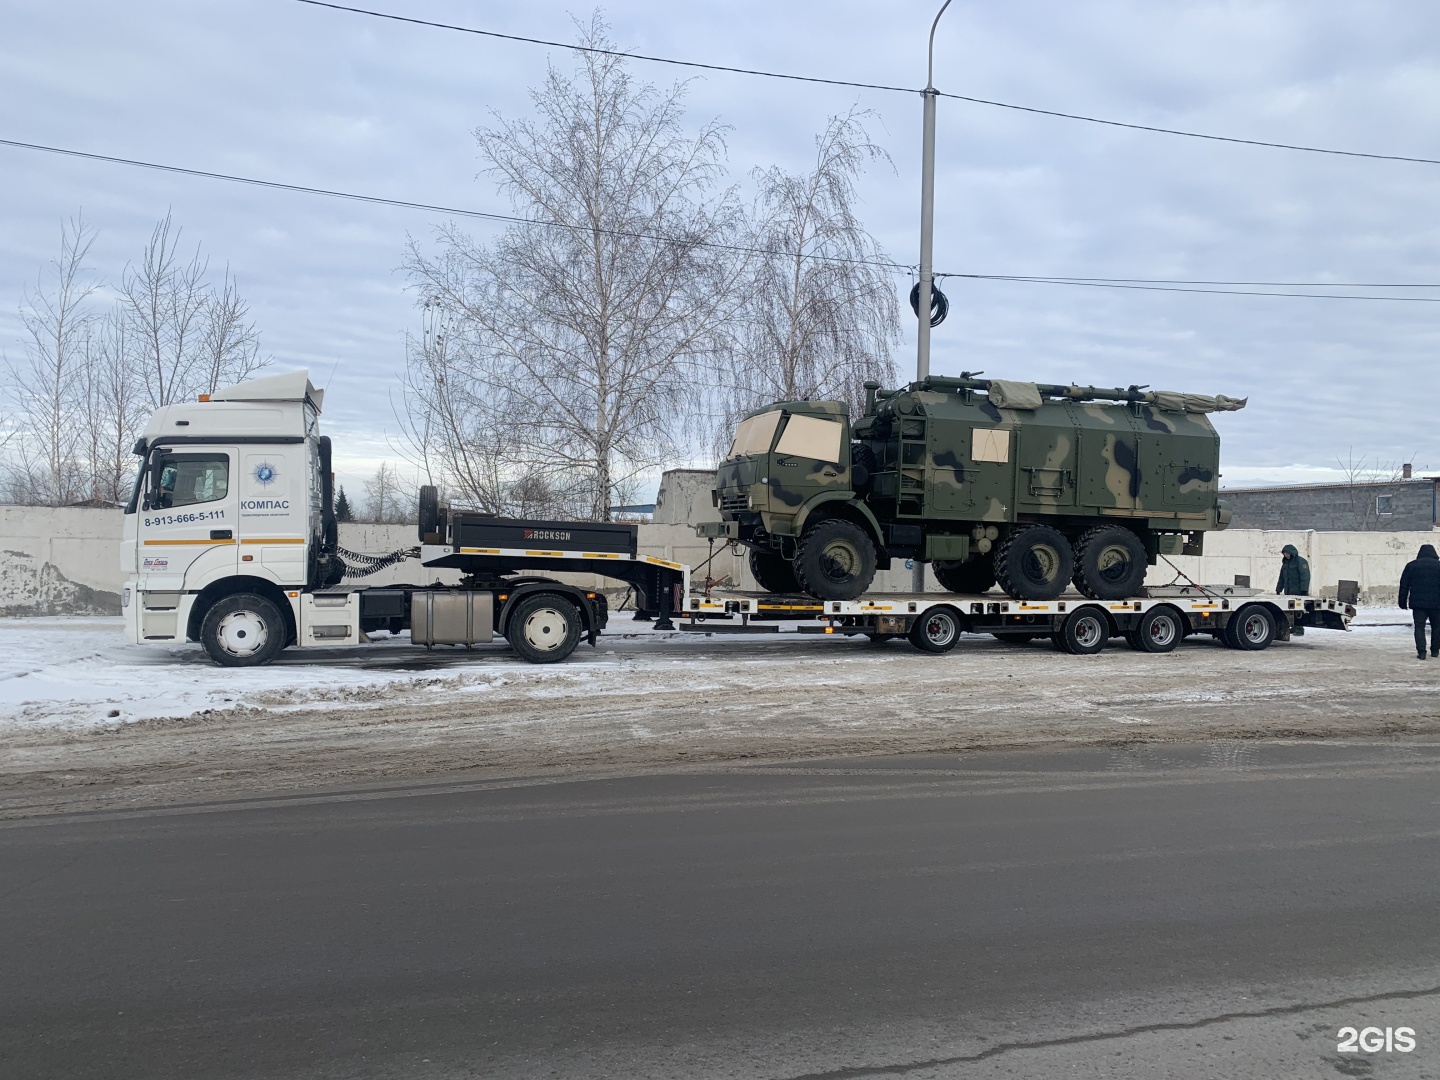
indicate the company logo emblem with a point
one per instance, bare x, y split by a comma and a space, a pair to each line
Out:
546, 534
155, 564
265, 504
265, 474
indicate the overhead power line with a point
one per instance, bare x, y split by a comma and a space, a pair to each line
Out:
867, 86
1148, 284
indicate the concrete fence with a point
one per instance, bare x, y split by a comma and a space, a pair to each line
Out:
66, 561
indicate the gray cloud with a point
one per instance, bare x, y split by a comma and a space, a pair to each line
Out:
279, 90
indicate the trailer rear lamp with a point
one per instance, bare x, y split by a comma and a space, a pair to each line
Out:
203, 397
589, 596
504, 596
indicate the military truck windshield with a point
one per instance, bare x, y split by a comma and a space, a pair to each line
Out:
811, 437
754, 435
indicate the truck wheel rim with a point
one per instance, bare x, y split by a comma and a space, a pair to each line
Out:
242, 633
1113, 563
1256, 628
839, 561
544, 629
1162, 630
1087, 631
939, 629
1042, 563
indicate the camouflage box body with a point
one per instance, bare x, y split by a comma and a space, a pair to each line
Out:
946, 469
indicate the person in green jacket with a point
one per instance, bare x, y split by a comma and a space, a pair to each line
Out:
1294, 573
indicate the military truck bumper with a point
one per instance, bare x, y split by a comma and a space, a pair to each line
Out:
718, 530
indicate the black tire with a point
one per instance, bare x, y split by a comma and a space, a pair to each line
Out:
1110, 563
1034, 563
773, 572
1159, 630
880, 639
1017, 637
1250, 629
544, 628
971, 578
862, 466
243, 630
428, 507
937, 630
835, 560
1086, 631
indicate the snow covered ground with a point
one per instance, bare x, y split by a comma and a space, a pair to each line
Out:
87, 721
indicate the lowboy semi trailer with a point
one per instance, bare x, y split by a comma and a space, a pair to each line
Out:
230, 539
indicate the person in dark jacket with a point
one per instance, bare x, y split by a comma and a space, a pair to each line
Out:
1294, 573
1420, 592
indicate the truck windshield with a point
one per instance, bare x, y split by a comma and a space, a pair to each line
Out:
754, 435
811, 437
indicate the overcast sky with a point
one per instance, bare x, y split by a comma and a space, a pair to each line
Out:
283, 91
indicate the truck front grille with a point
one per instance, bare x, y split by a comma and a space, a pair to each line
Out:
734, 504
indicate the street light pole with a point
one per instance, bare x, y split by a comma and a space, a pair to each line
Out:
927, 236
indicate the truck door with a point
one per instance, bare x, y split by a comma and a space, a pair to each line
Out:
279, 498
187, 518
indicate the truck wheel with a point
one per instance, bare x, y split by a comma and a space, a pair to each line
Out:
1034, 563
773, 572
835, 560
1250, 629
543, 629
973, 577
936, 631
1110, 563
428, 514
1158, 631
1085, 631
243, 630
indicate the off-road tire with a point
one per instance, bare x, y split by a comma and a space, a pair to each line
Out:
835, 560
428, 514
773, 572
1159, 630
1086, 631
1110, 563
243, 630
1250, 629
1034, 563
971, 578
544, 628
863, 464
937, 630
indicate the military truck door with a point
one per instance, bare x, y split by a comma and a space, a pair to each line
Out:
1047, 468
811, 454
992, 472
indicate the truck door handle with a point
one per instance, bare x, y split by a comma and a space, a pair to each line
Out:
222, 534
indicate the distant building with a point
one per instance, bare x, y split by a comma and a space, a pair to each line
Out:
1408, 504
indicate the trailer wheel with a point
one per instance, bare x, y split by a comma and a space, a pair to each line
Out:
1250, 629
936, 631
972, 578
1110, 563
243, 630
1159, 630
1086, 630
835, 560
1034, 563
543, 629
773, 572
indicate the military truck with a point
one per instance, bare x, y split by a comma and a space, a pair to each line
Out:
1031, 486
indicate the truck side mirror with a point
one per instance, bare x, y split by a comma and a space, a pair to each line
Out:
152, 493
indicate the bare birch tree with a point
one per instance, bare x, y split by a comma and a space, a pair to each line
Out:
229, 342
48, 386
386, 501
166, 300
583, 336
820, 317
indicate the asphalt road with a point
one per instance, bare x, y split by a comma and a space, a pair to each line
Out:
1205, 911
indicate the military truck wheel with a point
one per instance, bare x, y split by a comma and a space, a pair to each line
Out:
243, 630
973, 577
1034, 563
1158, 631
1085, 631
1250, 629
773, 572
862, 466
1110, 563
835, 560
543, 629
936, 631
